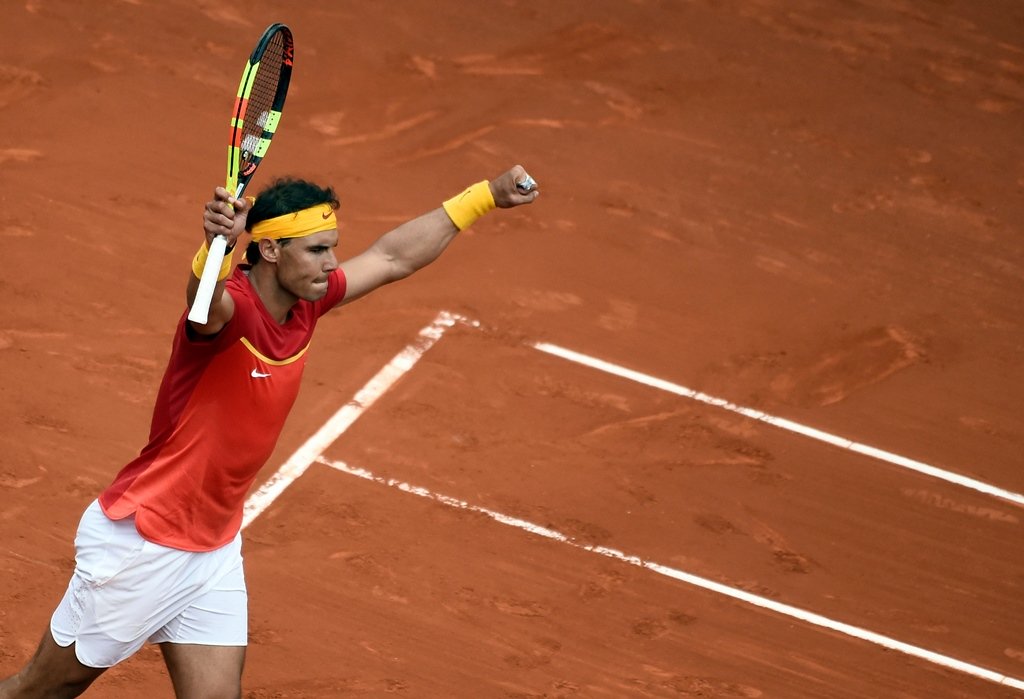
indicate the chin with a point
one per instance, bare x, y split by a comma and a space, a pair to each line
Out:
317, 292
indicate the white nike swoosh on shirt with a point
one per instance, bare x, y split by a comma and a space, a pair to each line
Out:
257, 375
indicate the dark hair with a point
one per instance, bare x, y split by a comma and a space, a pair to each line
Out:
285, 196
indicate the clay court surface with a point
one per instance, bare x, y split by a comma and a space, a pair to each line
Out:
805, 208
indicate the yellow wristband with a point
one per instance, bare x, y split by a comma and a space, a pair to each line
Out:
199, 262
465, 208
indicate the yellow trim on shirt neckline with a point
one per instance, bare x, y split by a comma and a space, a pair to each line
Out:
273, 362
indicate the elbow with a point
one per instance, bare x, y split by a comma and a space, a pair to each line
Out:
400, 269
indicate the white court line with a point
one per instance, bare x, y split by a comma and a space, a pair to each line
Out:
314, 447
297, 464
695, 580
782, 423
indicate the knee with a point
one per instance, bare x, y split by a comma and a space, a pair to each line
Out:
9, 688
53, 673
30, 683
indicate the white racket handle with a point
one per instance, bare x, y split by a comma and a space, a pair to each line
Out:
200, 311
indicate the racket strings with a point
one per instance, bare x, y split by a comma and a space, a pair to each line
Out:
261, 98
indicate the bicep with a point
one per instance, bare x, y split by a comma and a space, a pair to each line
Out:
368, 271
398, 253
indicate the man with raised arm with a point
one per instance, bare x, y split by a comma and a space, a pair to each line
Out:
158, 553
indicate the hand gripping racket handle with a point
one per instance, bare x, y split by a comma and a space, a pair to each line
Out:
200, 311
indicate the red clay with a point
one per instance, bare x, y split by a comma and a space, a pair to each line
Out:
808, 208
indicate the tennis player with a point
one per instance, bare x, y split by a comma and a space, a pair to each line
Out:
158, 553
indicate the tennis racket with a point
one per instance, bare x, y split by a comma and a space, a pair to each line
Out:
254, 121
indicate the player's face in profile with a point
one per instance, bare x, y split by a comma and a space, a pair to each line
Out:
305, 264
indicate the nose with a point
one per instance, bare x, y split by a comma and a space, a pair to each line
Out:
331, 263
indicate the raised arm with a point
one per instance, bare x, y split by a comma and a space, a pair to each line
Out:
223, 215
417, 243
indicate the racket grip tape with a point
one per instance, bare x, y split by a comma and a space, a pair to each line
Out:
200, 311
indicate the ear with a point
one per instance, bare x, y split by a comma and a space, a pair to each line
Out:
269, 250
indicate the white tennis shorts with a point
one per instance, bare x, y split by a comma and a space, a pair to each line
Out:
126, 591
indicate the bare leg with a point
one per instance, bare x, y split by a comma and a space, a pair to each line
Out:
204, 672
53, 673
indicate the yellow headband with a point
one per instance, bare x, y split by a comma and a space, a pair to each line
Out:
297, 225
